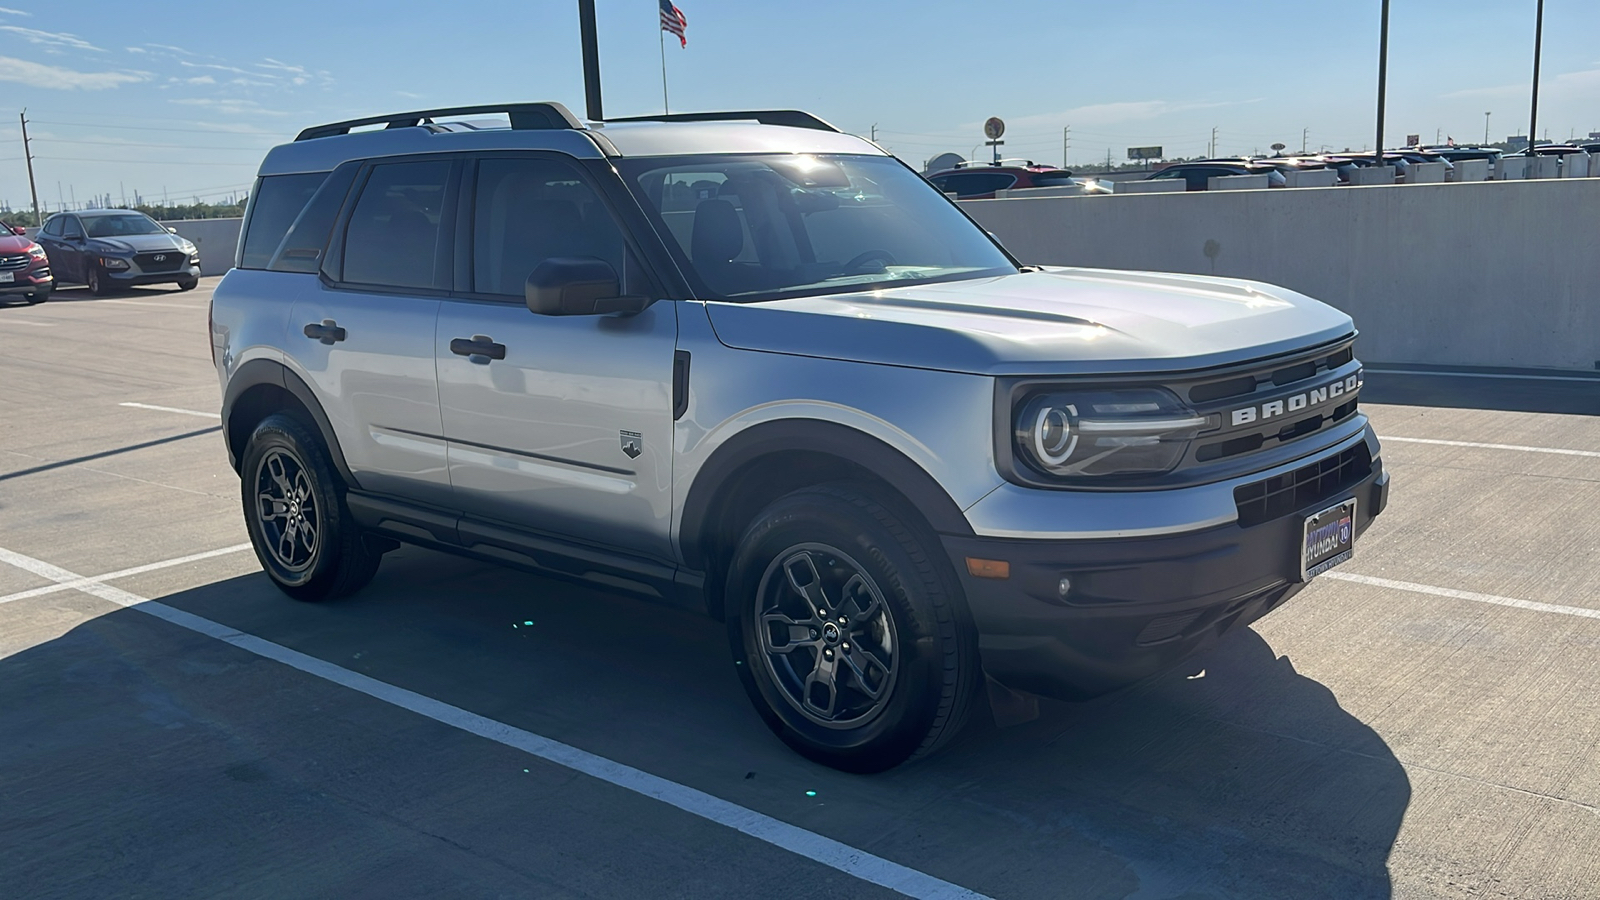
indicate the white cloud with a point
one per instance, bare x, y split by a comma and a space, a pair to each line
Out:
136, 50
51, 39
1586, 80
42, 76
229, 106
270, 63
4, 10
170, 49
192, 65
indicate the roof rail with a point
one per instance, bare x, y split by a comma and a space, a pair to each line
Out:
793, 118
524, 117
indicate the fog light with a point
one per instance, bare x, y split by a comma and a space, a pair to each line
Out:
1065, 587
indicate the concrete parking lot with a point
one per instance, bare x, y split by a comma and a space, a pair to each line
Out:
1423, 722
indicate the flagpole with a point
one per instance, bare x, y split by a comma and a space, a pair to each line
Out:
665, 108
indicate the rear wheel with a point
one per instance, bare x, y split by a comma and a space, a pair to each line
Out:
294, 509
851, 637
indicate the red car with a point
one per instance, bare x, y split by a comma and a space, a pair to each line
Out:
24, 268
979, 181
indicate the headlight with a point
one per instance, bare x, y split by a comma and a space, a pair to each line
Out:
36, 251
1095, 433
111, 262
189, 248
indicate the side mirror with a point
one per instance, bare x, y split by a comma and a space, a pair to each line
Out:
171, 230
19, 230
578, 286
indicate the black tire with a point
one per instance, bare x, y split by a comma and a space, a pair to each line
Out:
37, 297
926, 649
287, 481
188, 284
96, 283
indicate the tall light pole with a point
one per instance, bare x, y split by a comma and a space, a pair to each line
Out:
1538, 45
1383, 77
1486, 128
591, 61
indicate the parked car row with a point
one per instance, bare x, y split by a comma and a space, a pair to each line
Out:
104, 249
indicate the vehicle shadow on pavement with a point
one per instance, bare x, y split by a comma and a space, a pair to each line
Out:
1579, 397
158, 762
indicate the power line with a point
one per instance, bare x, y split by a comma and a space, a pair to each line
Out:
147, 162
263, 134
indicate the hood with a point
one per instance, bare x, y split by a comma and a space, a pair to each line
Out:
1055, 322
11, 244
139, 243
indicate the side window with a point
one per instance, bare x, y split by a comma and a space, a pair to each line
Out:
306, 244
275, 203
965, 184
70, 227
393, 236
52, 227
528, 210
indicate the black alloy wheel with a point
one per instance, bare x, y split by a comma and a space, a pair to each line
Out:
301, 529
849, 629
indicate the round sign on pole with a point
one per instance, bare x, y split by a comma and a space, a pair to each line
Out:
1279, 147
993, 128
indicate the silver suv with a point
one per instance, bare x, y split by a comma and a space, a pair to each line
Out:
746, 363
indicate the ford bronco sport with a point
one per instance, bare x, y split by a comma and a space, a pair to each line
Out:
747, 363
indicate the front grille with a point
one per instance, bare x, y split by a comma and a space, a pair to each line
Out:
1285, 402
1321, 481
13, 263
168, 261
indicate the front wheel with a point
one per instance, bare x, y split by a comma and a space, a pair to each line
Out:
294, 509
96, 283
850, 635
37, 297
188, 284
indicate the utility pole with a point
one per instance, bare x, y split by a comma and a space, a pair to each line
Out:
874, 132
1066, 141
1486, 128
1305, 138
1383, 78
1213, 153
28, 155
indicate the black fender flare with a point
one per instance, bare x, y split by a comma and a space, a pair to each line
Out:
270, 372
885, 462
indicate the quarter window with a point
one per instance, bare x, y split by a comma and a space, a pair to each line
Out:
278, 199
393, 238
529, 210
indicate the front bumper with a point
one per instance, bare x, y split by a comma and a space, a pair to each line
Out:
28, 282
134, 277
1136, 606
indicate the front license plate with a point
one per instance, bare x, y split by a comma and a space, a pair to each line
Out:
1330, 538
8, 276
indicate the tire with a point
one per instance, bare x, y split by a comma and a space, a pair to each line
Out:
188, 284
37, 297
96, 283
903, 617
286, 483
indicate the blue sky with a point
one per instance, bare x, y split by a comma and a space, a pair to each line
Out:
187, 98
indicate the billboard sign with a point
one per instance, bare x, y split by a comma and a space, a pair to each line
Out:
1144, 153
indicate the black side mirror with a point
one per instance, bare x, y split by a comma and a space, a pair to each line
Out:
578, 286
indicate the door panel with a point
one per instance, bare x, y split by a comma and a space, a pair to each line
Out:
540, 438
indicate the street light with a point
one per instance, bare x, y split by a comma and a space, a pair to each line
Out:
1533, 113
1383, 77
1486, 128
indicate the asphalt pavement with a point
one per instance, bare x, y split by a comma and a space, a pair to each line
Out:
1422, 722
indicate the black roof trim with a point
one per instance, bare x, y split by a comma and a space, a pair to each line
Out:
793, 118
524, 117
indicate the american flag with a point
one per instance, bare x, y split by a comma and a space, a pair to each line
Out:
673, 22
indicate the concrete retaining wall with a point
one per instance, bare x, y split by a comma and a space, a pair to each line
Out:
1427, 173
1471, 170
1483, 274
1236, 182
1298, 178
1373, 175
1158, 186
216, 238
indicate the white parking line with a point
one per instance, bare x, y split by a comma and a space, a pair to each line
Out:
11, 321
174, 409
122, 573
1454, 594
1589, 378
1555, 450
843, 857
161, 305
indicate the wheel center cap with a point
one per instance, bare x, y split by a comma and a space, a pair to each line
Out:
830, 633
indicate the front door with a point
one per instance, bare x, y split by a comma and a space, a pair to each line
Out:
64, 245
565, 425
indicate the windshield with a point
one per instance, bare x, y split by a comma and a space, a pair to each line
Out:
759, 227
118, 225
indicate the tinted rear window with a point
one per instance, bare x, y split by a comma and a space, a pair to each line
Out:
393, 238
277, 203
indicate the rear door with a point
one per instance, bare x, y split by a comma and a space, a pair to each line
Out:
362, 334
65, 247
566, 428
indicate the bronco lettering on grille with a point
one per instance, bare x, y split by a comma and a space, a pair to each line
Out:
1333, 390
